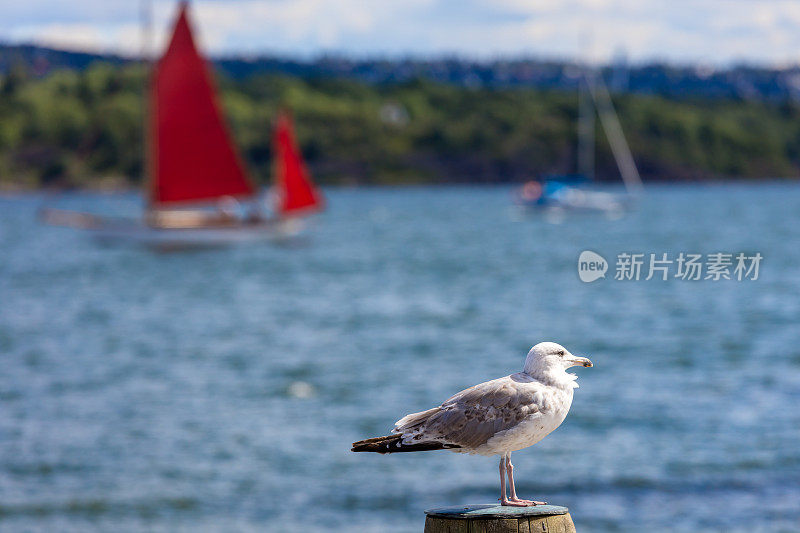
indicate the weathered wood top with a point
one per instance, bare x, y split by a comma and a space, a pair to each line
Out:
495, 511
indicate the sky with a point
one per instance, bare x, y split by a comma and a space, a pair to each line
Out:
677, 31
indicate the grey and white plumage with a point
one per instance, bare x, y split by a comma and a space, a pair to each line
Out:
495, 417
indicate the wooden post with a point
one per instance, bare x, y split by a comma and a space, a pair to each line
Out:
498, 519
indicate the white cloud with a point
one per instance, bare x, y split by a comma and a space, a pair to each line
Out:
70, 36
681, 30
123, 38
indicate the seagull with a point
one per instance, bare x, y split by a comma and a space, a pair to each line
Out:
493, 418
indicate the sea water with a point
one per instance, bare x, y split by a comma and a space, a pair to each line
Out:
220, 390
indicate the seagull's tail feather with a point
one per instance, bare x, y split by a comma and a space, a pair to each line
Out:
394, 444
414, 420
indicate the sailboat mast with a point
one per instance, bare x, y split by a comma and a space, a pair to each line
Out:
586, 127
146, 15
616, 138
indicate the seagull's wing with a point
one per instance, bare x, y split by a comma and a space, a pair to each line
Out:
473, 416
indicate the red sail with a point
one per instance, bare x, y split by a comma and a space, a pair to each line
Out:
296, 192
193, 157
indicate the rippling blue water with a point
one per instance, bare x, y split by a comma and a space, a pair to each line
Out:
221, 390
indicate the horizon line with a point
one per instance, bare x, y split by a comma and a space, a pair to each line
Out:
521, 57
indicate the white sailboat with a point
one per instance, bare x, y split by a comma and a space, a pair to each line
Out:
557, 194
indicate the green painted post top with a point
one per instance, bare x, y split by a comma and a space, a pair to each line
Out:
495, 511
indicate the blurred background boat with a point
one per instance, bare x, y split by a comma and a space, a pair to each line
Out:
197, 180
573, 193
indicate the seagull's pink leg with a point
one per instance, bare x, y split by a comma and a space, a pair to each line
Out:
503, 499
510, 471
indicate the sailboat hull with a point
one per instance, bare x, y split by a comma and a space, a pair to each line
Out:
194, 238
563, 197
110, 231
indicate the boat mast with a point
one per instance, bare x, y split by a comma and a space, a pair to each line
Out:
586, 127
146, 15
616, 138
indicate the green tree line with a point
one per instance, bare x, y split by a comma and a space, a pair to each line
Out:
84, 128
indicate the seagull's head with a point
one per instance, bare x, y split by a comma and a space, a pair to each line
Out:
547, 357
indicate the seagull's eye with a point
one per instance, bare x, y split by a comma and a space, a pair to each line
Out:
561, 352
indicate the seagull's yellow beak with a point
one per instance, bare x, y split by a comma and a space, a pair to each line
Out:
583, 361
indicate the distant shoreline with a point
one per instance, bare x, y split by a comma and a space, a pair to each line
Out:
11, 190
745, 80
77, 127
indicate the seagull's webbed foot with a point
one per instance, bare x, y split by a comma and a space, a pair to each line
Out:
515, 503
528, 503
